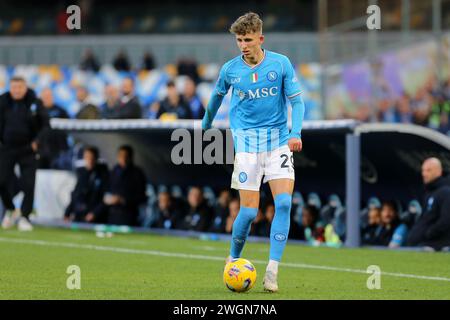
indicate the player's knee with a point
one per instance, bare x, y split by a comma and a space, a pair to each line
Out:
283, 203
248, 214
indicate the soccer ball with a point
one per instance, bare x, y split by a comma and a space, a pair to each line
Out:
239, 275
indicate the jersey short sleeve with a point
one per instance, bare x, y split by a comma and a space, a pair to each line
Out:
290, 81
222, 84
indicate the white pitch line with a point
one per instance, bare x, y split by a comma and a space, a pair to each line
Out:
203, 257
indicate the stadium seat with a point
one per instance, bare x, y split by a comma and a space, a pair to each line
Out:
298, 204
162, 188
339, 222
151, 193
176, 191
297, 199
314, 200
209, 195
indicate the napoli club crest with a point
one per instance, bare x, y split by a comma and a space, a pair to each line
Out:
242, 177
272, 76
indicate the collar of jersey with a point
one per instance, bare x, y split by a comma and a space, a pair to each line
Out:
253, 67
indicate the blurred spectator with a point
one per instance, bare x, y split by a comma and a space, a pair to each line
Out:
296, 215
446, 90
313, 199
52, 142
372, 203
173, 106
369, 232
311, 229
432, 87
148, 61
192, 99
188, 67
439, 118
332, 209
333, 213
233, 209
389, 221
221, 212
433, 227
87, 109
403, 112
89, 62
412, 213
109, 108
386, 110
263, 221
407, 220
87, 197
199, 213
269, 212
421, 106
260, 226
53, 110
128, 106
121, 62
126, 190
164, 212
362, 113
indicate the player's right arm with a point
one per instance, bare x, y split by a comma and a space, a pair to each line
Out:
219, 92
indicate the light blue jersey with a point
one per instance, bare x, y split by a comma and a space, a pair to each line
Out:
258, 112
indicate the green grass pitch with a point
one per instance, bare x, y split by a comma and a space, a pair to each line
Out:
142, 266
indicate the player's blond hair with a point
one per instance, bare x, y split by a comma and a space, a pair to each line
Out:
248, 23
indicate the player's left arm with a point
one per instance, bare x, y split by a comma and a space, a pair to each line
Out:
293, 92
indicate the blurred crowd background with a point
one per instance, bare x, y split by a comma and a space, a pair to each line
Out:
398, 74
122, 196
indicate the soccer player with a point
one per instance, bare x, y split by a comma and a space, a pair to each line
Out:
260, 81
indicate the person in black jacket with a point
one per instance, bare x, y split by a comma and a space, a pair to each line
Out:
433, 227
89, 62
164, 212
220, 212
173, 106
125, 107
53, 142
369, 232
22, 119
109, 107
148, 61
127, 190
192, 99
121, 62
128, 106
87, 197
199, 213
389, 221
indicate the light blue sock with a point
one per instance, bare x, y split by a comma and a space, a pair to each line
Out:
241, 229
280, 225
